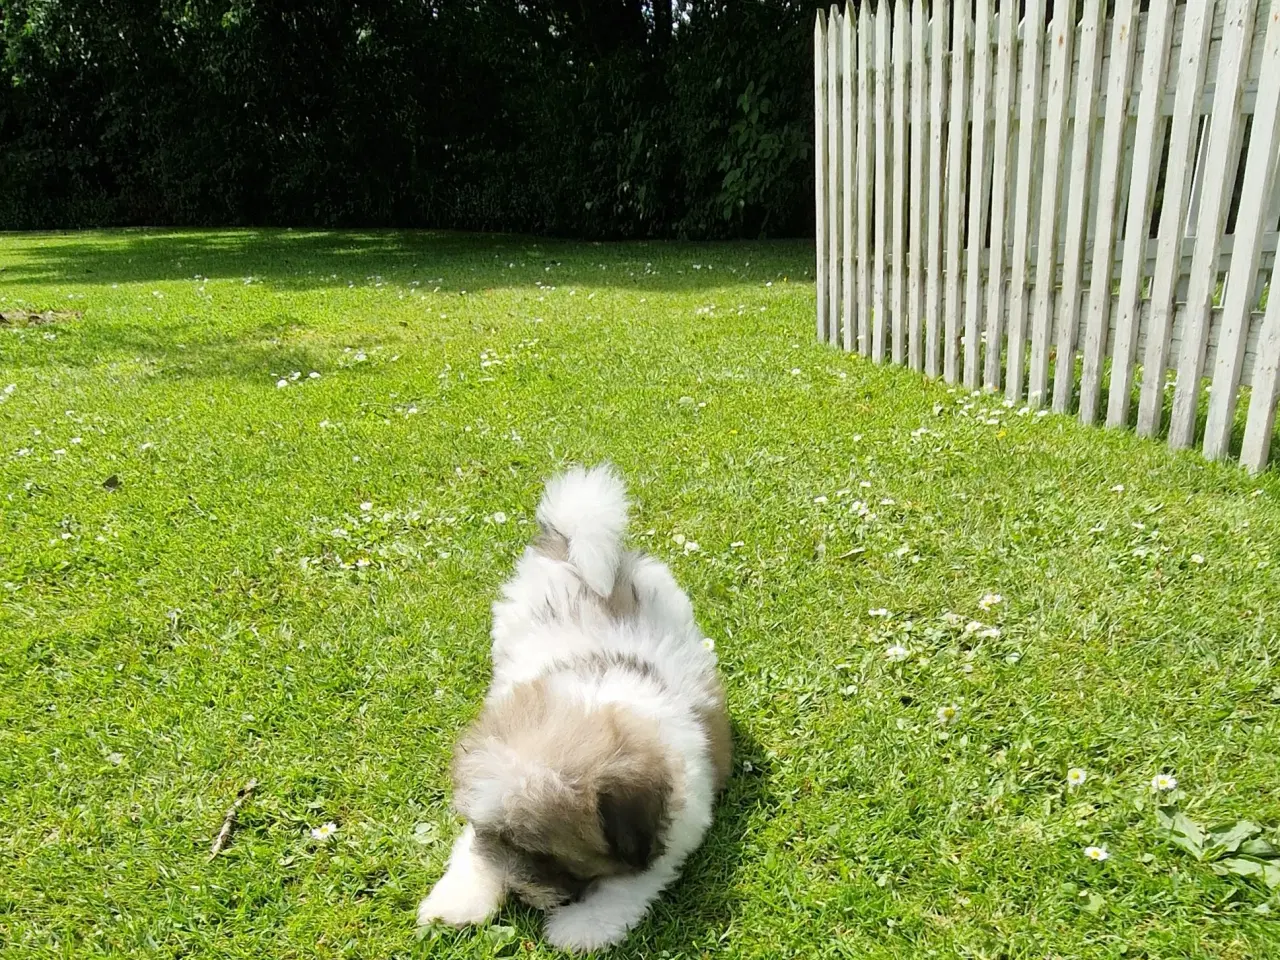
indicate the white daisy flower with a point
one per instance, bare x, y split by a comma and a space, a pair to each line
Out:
1118, 488
1164, 782
897, 653
366, 506
362, 562
878, 612
1195, 557
1077, 776
973, 626
691, 546
324, 832
1097, 853
990, 600
499, 517
819, 499
949, 714
709, 644
313, 375
991, 633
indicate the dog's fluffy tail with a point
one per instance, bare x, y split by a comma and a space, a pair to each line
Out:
583, 514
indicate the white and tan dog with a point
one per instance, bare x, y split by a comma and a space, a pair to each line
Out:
592, 770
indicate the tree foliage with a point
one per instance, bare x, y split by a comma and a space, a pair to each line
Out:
604, 118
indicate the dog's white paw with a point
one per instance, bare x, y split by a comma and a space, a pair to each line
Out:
578, 929
453, 904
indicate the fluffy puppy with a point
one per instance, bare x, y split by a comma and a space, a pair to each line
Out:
591, 772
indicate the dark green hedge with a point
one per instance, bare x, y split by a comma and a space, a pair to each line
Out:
597, 118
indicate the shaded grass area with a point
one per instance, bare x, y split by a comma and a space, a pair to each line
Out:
206, 577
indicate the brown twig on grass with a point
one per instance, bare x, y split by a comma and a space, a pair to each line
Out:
229, 822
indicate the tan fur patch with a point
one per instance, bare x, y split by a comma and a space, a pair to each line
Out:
534, 773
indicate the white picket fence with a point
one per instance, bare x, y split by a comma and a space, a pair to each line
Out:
969, 224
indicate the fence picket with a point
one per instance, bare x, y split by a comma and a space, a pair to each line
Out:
1095, 338
1032, 34
1064, 376
977, 192
864, 181
1224, 146
879, 303
957, 136
820, 165
1261, 422
846, 167
833, 173
1196, 30
1146, 154
933, 314
1002, 110
1237, 298
898, 191
1061, 35
915, 212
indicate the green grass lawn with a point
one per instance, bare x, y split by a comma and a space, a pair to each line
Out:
255, 502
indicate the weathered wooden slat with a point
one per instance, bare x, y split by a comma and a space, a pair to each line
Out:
1237, 298
957, 137
864, 181
915, 208
847, 126
833, 174
1123, 26
1077, 202
937, 126
898, 195
820, 165
1261, 423
879, 304
1061, 36
1032, 37
1223, 149
1191, 61
977, 194
1146, 154
1002, 109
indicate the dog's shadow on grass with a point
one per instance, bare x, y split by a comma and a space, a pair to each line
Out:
698, 909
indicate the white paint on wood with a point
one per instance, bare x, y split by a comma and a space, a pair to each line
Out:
1237, 298
1123, 26
977, 194
864, 181
833, 173
899, 190
1002, 109
1261, 423
820, 166
1061, 35
1146, 154
1223, 136
1064, 376
915, 204
848, 121
1191, 61
957, 137
879, 305
937, 88
1032, 35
